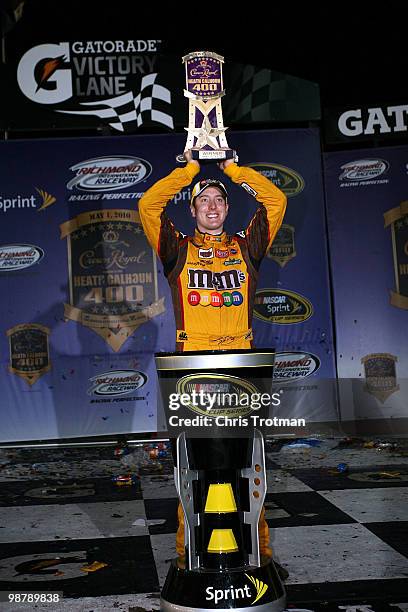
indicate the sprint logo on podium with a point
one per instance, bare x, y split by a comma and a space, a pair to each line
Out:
260, 586
233, 593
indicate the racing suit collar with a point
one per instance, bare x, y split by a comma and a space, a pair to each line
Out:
204, 238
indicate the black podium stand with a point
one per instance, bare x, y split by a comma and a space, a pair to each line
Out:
220, 478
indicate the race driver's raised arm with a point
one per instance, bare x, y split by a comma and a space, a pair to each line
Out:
159, 229
267, 220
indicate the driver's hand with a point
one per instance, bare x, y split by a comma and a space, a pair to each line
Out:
188, 156
225, 163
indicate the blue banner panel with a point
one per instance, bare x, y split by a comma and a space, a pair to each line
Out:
85, 304
368, 230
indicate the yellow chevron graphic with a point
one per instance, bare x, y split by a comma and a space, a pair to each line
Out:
260, 586
48, 199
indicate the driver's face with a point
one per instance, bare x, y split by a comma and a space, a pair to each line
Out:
210, 210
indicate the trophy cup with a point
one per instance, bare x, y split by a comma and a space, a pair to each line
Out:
204, 90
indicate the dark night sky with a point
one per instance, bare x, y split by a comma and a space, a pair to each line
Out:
356, 52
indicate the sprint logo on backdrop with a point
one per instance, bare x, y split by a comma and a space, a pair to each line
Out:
25, 201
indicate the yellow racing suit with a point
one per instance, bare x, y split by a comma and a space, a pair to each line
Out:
213, 278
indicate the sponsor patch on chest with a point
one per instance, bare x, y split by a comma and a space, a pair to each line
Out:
206, 253
221, 252
206, 279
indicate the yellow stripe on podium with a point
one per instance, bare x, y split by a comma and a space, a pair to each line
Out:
222, 541
220, 498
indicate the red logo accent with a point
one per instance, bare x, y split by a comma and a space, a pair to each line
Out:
216, 299
221, 253
193, 298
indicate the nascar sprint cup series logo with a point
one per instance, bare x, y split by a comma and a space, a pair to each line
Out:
96, 176
226, 390
289, 181
282, 307
114, 81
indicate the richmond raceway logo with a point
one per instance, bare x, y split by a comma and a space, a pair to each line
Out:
364, 172
117, 382
114, 81
291, 367
109, 173
19, 256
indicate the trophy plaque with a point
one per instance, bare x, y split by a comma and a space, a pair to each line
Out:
204, 90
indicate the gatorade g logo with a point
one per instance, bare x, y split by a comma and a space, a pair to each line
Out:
44, 75
206, 279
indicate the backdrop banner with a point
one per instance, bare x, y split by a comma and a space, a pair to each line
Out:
85, 304
368, 236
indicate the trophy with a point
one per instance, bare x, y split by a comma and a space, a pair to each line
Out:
204, 90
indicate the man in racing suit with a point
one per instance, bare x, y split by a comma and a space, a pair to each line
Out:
212, 275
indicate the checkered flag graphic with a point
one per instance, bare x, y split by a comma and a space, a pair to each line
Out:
256, 92
127, 108
263, 95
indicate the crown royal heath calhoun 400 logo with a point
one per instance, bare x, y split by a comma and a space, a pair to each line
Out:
112, 274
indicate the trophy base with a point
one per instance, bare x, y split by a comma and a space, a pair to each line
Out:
203, 590
209, 155
213, 154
